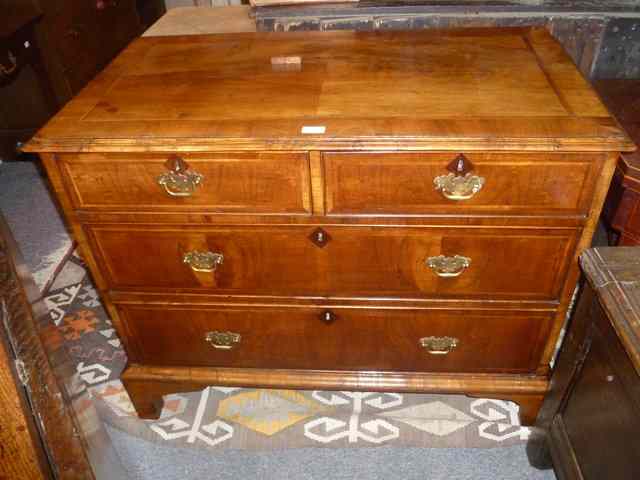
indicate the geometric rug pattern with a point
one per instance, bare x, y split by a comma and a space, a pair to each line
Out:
265, 419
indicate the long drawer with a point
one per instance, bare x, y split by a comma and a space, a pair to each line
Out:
338, 338
238, 182
338, 261
463, 184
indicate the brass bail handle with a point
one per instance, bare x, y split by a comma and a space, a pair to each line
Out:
222, 340
447, 267
439, 345
460, 184
206, 262
179, 181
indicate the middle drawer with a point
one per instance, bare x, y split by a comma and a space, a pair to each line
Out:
337, 261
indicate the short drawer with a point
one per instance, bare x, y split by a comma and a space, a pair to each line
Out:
352, 261
337, 338
216, 182
417, 183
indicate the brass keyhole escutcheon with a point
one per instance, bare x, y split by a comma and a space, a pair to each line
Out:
328, 317
320, 237
460, 184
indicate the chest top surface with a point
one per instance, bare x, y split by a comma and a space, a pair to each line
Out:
430, 90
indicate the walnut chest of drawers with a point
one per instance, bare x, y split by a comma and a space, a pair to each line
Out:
396, 211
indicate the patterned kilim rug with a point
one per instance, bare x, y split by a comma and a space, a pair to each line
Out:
259, 419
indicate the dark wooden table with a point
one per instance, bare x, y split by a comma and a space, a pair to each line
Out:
592, 413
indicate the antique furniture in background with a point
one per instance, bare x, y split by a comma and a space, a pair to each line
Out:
593, 409
621, 211
38, 381
79, 38
26, 97
601, 37
398, 211
68, 43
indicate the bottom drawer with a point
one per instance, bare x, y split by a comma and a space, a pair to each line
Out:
340, 338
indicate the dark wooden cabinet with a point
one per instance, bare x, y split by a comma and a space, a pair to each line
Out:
593, 410
81, 36
49, 50
27, 99
621, 211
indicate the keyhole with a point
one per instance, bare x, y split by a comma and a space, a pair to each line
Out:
319, 237
328, 316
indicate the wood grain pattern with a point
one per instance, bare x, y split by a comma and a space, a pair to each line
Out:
356, 262
146, 384
368, 183
299, 338
232, 183
317, 182
396, 108
22, 454
217, 92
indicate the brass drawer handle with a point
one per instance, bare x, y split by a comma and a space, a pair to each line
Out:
439, 345
179, 181
223, 340
456, 187
448, 266
460, 184
203, 261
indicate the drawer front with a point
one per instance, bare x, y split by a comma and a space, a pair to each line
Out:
227, 183
353, 338
404, 183
354, 261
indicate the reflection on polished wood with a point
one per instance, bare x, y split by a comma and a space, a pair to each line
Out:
471, 89
323, 202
